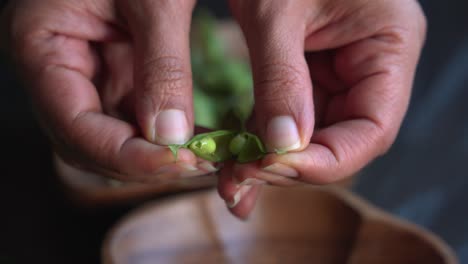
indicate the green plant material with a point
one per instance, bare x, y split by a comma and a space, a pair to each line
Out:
221, 139
223, 86
223, 98
237, 76
252, 149
175, 149
206, 110
212, 146
204, 146
230, 77
223, 145
211, 45
237, 143
243, 107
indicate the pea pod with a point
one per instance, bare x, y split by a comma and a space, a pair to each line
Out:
212, 146
237, 143
223, 145
252, 148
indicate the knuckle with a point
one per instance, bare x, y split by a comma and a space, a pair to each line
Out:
92, 146
263, 13
386, 139
422, 24
149, 10
166, 76
383, 136
276, 80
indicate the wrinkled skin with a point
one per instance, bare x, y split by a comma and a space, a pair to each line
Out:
348, 95
100, 71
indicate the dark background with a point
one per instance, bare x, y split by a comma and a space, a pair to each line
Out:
423, 178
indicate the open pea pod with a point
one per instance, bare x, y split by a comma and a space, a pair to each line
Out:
223, 145
247, 147
212, 146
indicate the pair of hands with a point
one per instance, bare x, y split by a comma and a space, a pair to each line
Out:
111, 82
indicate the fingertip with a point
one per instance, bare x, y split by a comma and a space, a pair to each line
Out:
171, 127
246, 204
227, 187
253, 174
140, 157
239, 195
282, 134
243, 172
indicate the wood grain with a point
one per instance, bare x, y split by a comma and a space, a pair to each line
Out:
295, 225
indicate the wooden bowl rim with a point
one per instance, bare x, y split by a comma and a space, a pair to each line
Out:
366, 211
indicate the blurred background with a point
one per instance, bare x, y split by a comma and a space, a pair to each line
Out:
423, 177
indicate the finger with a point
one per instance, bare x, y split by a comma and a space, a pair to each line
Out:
283, 90
250, 175
344, 27
59, 63
335, 153
70, 106
162, 71
239, 199
370, 114
116, 88
245, 207
227, 187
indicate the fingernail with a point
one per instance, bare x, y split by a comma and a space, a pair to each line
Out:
252, 182
207, 167
189, 171
282, 134
282, 170
171, 127
187, 167
188, 174
238, 196
166, 169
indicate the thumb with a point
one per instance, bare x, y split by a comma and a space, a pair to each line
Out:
284, 107
163, 81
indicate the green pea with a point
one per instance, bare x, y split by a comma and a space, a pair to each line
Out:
237, 143
252, 150
223, 145
212, 146
204, 146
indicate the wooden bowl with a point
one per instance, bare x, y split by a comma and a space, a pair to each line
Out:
295, 225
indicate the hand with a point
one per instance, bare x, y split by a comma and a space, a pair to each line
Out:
99, 72
337, 107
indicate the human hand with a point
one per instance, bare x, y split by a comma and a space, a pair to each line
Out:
334, 109
106, 78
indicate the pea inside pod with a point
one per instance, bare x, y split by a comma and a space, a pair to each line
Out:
212, 146
252, 148
223, 145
